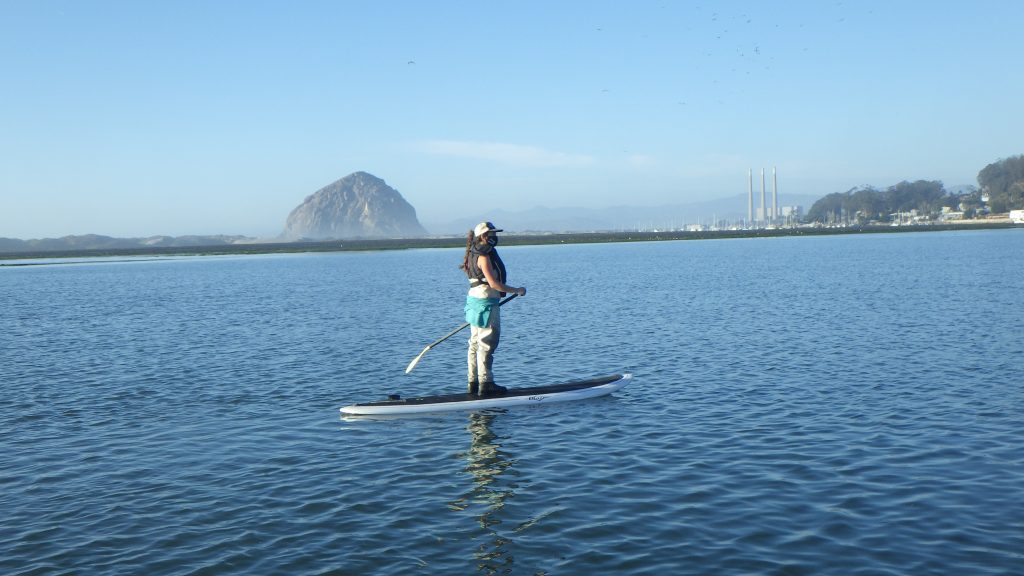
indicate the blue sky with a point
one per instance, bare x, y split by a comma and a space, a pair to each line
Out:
143, 117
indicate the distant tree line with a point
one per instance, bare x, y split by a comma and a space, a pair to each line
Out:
1001, 188
868, 204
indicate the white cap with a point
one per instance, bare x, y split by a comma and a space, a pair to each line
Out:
485, 227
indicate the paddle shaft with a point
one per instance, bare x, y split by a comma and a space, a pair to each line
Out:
445, 337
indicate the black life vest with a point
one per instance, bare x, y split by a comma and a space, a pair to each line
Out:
476, 275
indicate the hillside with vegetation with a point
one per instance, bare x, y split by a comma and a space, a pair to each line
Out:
1000, 189
1003, 182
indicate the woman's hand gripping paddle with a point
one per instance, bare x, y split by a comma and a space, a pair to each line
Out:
447, 336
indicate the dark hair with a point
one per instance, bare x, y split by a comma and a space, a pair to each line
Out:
465, 258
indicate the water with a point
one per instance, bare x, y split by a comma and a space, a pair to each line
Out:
827, 405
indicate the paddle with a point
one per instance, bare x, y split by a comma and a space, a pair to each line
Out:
447, 336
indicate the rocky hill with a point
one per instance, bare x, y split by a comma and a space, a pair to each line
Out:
359, 205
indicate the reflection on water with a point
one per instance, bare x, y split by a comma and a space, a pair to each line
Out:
492, 474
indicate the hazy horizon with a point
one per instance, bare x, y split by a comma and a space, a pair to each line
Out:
133, 120
726, 207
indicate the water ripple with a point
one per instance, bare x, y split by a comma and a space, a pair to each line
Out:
798, 408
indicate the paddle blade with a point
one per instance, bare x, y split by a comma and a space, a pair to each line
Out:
416, 360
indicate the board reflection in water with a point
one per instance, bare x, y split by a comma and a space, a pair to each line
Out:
491, 471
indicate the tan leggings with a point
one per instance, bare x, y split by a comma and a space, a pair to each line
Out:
482, 344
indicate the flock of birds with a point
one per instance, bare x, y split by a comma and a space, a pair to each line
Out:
741, 55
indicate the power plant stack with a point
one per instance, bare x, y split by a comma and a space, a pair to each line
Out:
775, 196
750, 198
764, 217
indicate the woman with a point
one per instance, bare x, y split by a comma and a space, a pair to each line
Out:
486, 274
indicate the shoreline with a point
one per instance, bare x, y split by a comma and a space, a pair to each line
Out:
459, 242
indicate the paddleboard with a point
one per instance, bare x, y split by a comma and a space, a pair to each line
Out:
577, 390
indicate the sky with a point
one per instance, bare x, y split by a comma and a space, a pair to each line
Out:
147, 117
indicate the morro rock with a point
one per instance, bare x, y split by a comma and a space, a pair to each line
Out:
359, 205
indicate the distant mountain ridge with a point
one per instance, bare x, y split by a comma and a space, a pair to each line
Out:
359, 205
570, 219
535, 220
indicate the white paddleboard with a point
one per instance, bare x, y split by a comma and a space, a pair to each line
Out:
577, 390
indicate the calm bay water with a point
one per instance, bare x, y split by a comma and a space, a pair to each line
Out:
827, 405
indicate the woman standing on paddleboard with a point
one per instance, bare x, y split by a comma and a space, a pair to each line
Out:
486, 274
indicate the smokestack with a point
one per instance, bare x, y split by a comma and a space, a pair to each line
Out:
764, 215
775, 195
750, 196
